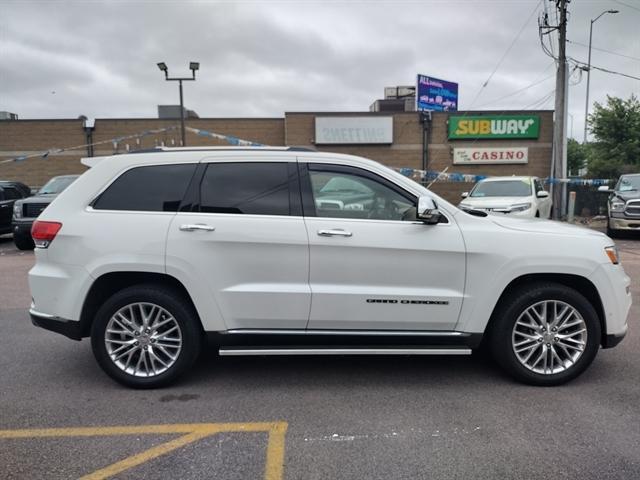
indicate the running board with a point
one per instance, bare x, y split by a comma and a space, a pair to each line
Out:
242, 351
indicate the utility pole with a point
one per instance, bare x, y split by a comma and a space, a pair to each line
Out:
559, 171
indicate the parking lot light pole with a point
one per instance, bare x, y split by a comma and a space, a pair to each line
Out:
193, 66
586, 106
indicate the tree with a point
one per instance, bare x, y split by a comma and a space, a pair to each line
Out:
576, 156
616, 128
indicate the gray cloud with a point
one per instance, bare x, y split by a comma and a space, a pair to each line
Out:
261, 58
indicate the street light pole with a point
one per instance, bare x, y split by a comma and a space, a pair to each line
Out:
193, 66
586, 106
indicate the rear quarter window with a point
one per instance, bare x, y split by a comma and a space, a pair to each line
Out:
156, 188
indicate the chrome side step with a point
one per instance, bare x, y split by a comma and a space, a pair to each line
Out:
316, 332
242, 351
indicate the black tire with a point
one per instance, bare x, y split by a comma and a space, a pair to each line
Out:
172, 302
23, 242
538, 214
502, 327
612, 232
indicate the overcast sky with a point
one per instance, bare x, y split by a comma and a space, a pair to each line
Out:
61, 59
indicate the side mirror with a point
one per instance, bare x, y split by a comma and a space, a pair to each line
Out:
464, 194
542, 194
427, 210
604, 189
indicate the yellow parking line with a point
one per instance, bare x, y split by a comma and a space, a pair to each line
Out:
275, 452
193, 432
145, 456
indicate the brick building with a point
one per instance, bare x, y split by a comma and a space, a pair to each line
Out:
478, 143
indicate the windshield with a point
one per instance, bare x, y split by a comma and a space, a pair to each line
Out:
628, 184
506, 188
56, 185
345, 184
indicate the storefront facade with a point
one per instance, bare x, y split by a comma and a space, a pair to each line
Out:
484, 143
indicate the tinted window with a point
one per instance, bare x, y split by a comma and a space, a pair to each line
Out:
346, 195
157, 188
249, 188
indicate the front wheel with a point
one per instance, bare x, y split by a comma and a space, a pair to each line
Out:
545, 334
23, 242
611, 232
146, 336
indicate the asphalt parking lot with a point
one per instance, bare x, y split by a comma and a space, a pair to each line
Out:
308, 418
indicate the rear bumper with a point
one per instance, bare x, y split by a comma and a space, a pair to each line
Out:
68, 328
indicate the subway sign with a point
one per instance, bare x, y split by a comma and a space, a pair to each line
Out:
494, 126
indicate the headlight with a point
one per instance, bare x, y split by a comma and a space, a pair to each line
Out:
520, 207
616, 205
612, 253
17, 210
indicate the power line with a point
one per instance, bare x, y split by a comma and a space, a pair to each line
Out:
524, 25
541, 101
587, 66
605, 51
626, 5
515, 92
615, 73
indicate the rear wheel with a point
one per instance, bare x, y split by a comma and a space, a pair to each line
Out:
545, 334
23, 242
146, 336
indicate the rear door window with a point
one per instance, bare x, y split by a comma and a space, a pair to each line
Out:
250, 188
156, 188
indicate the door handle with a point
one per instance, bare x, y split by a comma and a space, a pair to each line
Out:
196, 226
336, 232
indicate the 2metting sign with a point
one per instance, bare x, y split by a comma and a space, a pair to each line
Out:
494, 126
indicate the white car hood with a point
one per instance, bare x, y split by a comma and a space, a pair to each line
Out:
536, 225
493, 202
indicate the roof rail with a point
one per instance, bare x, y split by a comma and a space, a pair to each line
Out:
235, 149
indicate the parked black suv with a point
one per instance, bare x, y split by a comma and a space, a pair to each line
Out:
26, 211
9, 193
623, 207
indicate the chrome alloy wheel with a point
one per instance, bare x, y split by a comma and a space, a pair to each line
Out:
143, 339
549, 337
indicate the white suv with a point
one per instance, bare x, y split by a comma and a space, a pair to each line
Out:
278, 251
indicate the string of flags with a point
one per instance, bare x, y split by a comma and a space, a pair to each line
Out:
114, 141
228, 138
416, 174
432, 175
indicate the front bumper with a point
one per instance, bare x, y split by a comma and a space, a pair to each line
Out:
610, 341
68, 328
621, 222
614, 287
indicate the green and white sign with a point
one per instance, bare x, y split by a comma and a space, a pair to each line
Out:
494, 126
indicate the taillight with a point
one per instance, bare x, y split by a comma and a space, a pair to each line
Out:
43, 233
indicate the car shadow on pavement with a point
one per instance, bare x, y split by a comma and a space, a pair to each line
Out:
354, 371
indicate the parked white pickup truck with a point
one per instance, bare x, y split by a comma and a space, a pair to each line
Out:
277, 251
